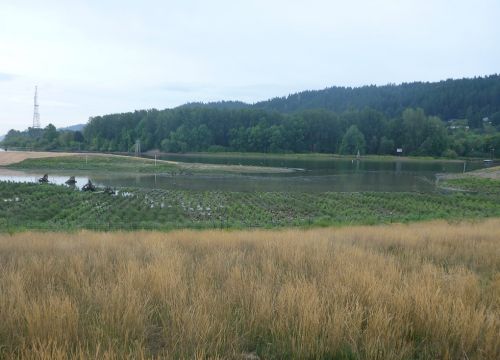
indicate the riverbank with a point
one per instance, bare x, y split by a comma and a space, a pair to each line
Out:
487, 173
109, 162
483, 181
302, 156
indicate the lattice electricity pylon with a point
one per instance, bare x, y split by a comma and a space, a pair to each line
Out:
36, 114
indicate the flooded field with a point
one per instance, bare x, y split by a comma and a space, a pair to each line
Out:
337, 175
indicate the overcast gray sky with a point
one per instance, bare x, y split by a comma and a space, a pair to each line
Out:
97, 56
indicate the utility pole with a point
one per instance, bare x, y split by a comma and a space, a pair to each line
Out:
36, 114
138, 148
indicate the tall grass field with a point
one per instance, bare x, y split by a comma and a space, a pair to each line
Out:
419, 291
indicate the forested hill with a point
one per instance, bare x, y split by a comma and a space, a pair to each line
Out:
471, 99
450, 99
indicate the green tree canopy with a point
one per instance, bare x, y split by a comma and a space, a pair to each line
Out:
353, 141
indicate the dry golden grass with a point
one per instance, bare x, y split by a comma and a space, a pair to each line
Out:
427, 290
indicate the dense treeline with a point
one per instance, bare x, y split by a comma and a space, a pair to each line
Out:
208, 129
471, 99
48, 138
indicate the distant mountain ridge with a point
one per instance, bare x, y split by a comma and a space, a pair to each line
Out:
77, 127
225, 105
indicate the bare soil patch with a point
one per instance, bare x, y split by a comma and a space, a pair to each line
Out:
12, 157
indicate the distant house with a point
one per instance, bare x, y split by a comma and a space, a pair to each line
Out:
486, 120
456, 124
